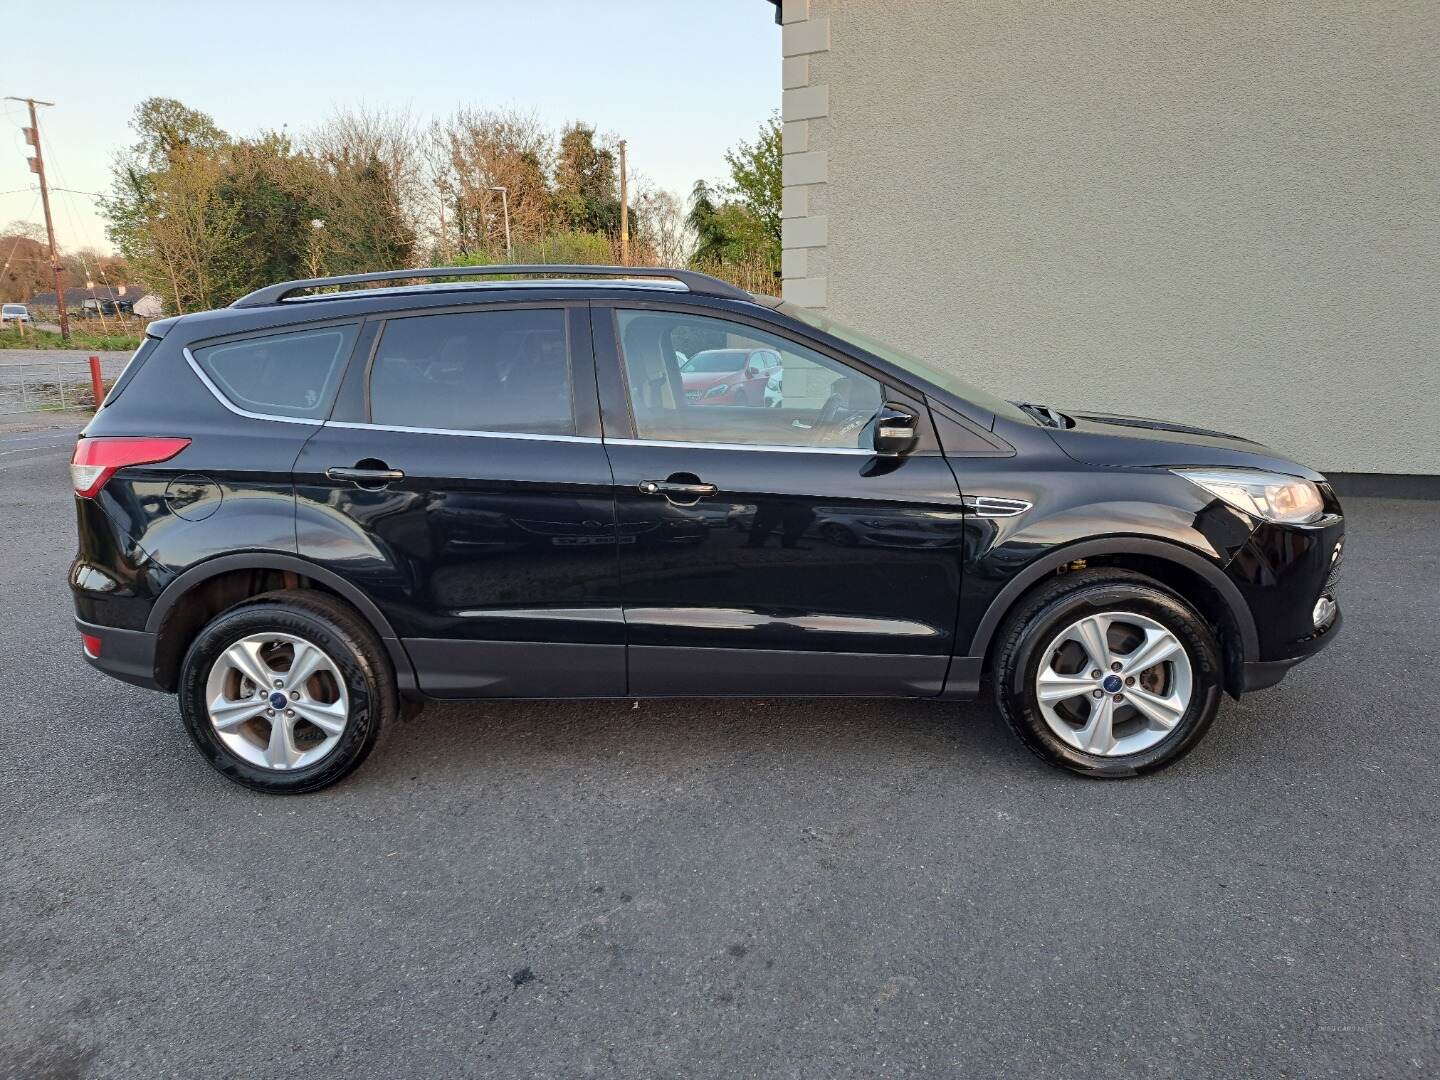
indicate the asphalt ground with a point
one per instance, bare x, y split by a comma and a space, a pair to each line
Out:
723, 889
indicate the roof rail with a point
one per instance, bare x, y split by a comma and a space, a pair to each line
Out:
695, 282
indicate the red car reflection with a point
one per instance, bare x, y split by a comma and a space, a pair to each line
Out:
731, 377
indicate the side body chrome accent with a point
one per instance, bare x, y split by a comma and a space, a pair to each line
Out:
991, 506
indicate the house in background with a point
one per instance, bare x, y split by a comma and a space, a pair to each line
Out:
1228, 214
101, 300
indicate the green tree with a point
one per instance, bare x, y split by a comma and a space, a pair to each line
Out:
757, 183
727, 231
586, 182
202, 218
165, 126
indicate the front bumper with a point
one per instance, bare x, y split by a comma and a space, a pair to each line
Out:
1259, 674
128, 655
1282, 571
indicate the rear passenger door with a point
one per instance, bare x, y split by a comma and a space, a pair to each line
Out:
462, 484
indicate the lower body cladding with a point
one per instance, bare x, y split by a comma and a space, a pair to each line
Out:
520, 669
128, 655
1259, 674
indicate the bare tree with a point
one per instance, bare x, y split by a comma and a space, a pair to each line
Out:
664, 235
24, 261
187, 224
387, 145
490, 149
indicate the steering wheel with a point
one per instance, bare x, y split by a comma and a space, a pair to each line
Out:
837, 420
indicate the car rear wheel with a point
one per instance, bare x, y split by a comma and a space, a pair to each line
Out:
1107, 673
287, 693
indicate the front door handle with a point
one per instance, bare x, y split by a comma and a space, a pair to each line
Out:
670, 489
366, 477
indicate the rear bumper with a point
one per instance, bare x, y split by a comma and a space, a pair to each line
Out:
1259, 674
128, 655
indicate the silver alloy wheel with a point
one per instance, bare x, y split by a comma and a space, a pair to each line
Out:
277, 701
1114, 684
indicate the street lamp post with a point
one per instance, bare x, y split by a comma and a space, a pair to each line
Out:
505, 208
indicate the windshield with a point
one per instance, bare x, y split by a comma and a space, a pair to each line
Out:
14, 309
913, 364
715, 362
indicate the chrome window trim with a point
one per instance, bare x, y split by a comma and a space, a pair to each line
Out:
353, 425
236, 409
772, 448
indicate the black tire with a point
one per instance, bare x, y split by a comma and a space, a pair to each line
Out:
1047, 611
352, 646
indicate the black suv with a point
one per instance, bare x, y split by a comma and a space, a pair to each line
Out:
306, 510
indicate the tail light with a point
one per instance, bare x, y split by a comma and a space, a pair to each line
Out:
92, 645
97, 459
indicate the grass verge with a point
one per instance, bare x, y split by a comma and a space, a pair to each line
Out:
80, 340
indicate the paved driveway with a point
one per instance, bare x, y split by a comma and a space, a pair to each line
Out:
755, 888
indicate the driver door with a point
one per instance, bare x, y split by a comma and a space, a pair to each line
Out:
764, 548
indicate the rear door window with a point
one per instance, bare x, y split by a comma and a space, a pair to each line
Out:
504, 371
289, 374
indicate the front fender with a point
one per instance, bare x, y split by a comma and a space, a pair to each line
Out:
1162, 517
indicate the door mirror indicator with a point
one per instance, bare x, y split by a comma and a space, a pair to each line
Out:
895, 431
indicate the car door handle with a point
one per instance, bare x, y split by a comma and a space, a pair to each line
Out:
366, 476
670, 488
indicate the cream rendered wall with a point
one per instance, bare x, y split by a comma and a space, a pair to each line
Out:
1227, 213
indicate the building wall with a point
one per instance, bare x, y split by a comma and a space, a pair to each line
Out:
1227, 213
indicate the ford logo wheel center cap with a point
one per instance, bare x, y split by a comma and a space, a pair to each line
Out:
1112, 684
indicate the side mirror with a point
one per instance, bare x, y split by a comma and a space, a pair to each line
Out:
895, 431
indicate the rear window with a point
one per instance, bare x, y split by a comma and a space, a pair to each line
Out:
290, 374
131, 367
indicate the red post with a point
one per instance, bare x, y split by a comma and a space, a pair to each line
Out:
97, 384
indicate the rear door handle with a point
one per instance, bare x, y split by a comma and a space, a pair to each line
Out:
366, 476
669, 488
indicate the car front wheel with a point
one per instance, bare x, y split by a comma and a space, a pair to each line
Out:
1107, 673
287, 693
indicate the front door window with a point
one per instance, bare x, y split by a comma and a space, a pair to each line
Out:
696, 379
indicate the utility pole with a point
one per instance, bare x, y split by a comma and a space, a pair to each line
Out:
505, 207
37, 166
624, 210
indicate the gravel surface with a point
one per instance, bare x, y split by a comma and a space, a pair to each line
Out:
737, 889
112, 363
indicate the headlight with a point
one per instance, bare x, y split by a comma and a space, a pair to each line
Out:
1267, 495
718, 389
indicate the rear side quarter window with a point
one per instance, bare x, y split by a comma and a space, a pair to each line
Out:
287, 374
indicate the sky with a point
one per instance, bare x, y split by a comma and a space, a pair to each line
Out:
680, 80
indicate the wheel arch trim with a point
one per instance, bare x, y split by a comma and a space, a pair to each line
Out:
173, 593
1118, 545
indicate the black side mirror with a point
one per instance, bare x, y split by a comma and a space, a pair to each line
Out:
894, 430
